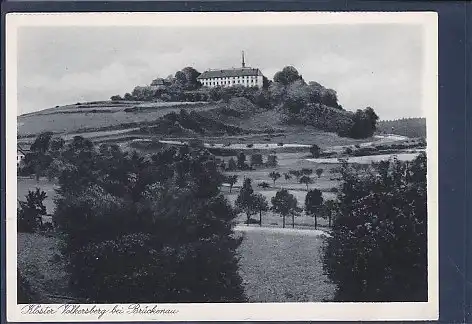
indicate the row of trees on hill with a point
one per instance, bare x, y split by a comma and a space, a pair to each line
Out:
410, 127
283, 203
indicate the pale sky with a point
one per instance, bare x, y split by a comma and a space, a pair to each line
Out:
368, 65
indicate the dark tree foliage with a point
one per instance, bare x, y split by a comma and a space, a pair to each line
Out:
25, 293
288, 75
263, 185
246, 199
31, 211
260, 204
271, 161
363, 124
410, 127
305, 180
315, 151
313, 203
231, 180
285, 204
378, 248
147, 229
242, 165
256, 159
274, 175
232, 164
41, 143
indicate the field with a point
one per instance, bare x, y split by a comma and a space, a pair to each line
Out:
278, 267
70, 119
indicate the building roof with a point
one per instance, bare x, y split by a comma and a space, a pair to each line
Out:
229, 73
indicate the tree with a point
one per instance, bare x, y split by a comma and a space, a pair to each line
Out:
232, 179
245, 200
306, 171
288, 75
263, 185
271, 161
296, 173
285, 204
242, 161
116, 98
377, 251
31, 211
274, 175
306, 180
232, 164
260, 204
56, 145
313, 202
41, 143
256, 159
319, 172
287, 176
364, 123
191, 76
296, 99
330, 208
315, 151
137, 232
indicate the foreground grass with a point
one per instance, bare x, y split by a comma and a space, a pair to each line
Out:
278, 267
275, 267
41, 265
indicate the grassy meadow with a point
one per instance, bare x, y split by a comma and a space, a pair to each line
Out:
74, 118
278, 267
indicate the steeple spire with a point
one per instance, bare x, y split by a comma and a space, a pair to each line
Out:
243, 64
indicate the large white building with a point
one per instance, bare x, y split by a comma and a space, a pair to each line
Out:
246, 76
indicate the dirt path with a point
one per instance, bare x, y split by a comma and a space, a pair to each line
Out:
287, 231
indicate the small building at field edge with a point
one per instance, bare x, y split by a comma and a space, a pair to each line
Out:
245, 76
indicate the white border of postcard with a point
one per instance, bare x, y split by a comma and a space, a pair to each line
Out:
229, 312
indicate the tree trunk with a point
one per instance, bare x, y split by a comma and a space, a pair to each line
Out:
329, 219
316, 221
230, 188
293, 221
248, 217
283, 221
260, 217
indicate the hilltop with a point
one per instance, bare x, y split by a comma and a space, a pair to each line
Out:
286, 108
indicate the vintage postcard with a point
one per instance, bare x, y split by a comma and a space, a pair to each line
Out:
222, 166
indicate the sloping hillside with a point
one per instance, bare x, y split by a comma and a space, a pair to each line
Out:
101, 115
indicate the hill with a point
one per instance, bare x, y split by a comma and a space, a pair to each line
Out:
410, 127
102, 115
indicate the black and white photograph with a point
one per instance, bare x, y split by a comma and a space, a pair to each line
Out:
216, 166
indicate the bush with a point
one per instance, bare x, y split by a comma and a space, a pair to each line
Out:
263, 185
150, 230
31, 211
25, 293
378, 248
